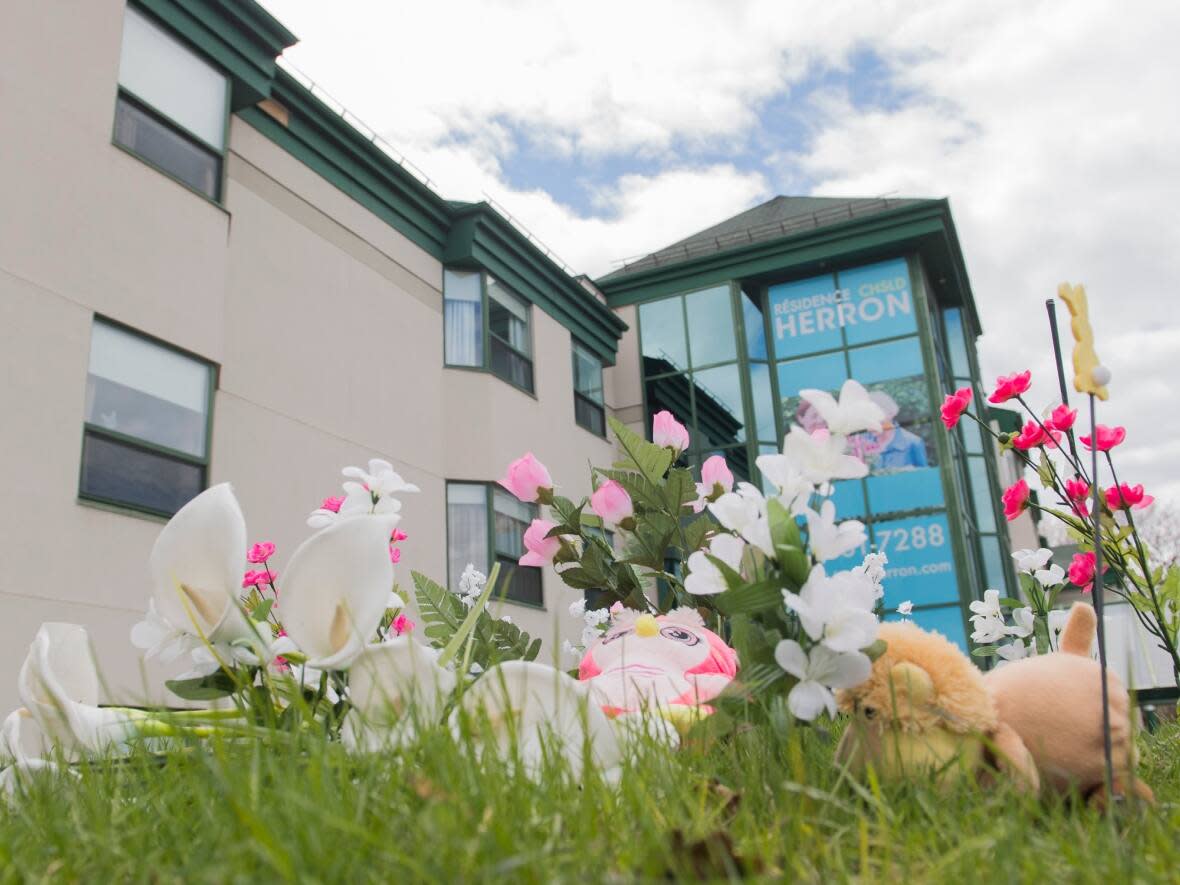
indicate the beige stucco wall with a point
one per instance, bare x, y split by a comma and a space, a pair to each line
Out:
325, 322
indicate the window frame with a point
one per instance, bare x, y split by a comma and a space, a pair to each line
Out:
122, 93
493, 554
485, 320
579, 397
134, 442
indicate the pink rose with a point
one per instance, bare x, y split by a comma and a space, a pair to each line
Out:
1125, 496
1034, 435
398, 535
332, 503
668, 432
1015, 499
258, 578
1062, 418
1081, 570
1011, 386
395, 554
529, 480
541, 549
612, 503
1077, 490
955, 405
260, 552
402, 625
1108, 438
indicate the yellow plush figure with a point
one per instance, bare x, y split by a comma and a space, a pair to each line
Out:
925, 711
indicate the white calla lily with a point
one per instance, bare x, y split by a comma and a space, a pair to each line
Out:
853, 412
58, 685
15, 764
527, 707
196, 565
395, 688
335, 590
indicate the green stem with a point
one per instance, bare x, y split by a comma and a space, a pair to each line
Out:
452, 647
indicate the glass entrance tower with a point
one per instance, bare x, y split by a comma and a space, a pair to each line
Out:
806, 293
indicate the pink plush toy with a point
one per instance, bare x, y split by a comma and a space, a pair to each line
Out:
646, 660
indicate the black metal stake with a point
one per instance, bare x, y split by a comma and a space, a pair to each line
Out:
1097, 594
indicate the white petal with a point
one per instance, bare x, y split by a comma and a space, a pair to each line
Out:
396, 688
839, 669
789, 655
808, 699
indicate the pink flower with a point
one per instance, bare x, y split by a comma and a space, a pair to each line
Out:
1077, 490
1081, 570
541, 549
1015, 499
529, 480
258, 578
612, 503
260, 552
955, 405
395, 554
1062, 418
1124, 497
668, 432
401, 625
1108, 438
398, 535
1009, 386
715, 472
332, 503
1034, 435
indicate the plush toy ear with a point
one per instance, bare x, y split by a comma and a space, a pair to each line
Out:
911, 681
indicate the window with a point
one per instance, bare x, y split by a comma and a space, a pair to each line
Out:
172, 106
478, 309
145, 442
485, 524
588, 398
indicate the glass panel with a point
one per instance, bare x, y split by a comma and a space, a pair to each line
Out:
511, 366
946, 619
993, 563
162, 71
881, 362
463, 305
972, 436
508, 318
661, 326
587, 374
122, 474
825, 372
921, 560
524, 582
720, 419
905, 489
512, 518
805, 316
763, 397
876, 302
140, 389
467, 529
956, 341
589, 415
849, 497
985, 516
755, 324
174, 153
711, 337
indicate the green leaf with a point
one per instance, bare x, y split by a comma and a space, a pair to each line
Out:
1009, 602
646, 457
580, 579
1045, 471
441, 611
644, 493
679, 489
695, 531
203, 688
749, 598
875, 650
262, 610
983, 651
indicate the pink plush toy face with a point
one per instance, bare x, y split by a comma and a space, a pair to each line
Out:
667, 660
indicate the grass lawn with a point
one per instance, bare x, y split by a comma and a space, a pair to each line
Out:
755, 805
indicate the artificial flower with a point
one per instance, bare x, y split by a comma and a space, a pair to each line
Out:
794, 489
1031, 560
989, 606
1016, 650
471, 584
260, 553
988, 629
820, 456
1124, 497
716, 480
873, 568
1077, 491
668, 432
380, 479
611, 503
744, 512
402, 625
829, 539
529, 480
818, 673
395, 554
254, 578
1023, 622
327, 513
854, 412
705, 578
1015, 499
954, 406
578, 607
1105, 438
1062, 418
836, 611
905, 609
539, 548
1051, 576
1034, 435
1010, 386
1081, 570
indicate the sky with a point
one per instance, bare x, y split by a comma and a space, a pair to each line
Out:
611, 129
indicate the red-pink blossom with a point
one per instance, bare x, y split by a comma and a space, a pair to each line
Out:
1010, 386
611, 503
1077, 490
541, 549
1015, 499
398, 535
332, 503
1034, 435
1125, 496
395, 554
668, 432
1107, 438
402, 625
1081, 570
955, 405
258, 578
1062, 418
260, 552
528, 479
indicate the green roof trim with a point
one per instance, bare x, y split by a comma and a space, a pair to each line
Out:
482, 237
238, 35
921, 226
1008, 420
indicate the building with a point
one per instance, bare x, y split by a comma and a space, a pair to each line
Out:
209, 273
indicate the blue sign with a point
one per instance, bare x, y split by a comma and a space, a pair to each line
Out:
921, 565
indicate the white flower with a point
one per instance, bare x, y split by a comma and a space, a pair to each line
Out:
1057, 621
578, 608
829, 540
818, 673
905, 609
361, 501
704, 578
989, 606
336, 589
988, 629
873, 568
794, 489
590, 635
744, 512
381, 478
58, 685
471, 584
1051, 576
1014, 651
395, 689
523, 711
855, 411
1031, 560
159, 639
836, 611
1023, 622
596, 617
15, 765
367, 493
507, 619
820, 457
570, 649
